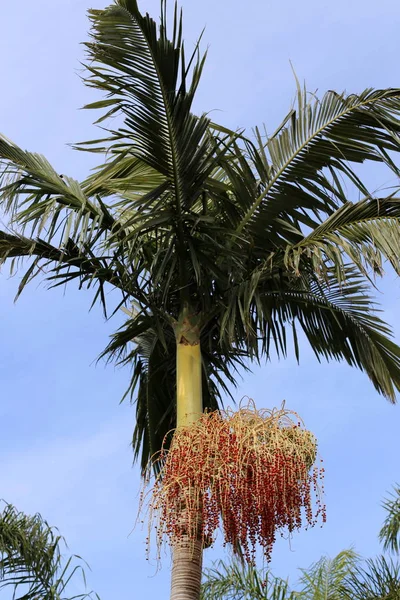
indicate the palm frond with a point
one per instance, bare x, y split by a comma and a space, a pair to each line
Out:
367, 232
162, 157
345, 577
377, 579
59, 266
30, 558
390, 532
125, 175
316, 147
147, 79
43, 203
239, 581
324, 579
339, 320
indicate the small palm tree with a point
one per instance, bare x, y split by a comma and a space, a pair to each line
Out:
222, 247
390, 532
30, 558
325, 579
345, 577
238, 580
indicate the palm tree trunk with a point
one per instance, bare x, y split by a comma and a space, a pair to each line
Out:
186, 571
187, 556
189, 399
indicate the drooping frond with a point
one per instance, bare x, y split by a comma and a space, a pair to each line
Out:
40, 202
30, 558
59, 266
339, 320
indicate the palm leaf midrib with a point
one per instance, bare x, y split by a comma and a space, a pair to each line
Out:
325, 230
169, 120
276, 177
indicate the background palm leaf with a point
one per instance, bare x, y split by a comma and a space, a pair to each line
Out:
30, 558
377, 579
345, 577
239, 581
390, 532
324, 580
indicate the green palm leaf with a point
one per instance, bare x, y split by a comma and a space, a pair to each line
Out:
147, 78
365, 231
337, 316
324, 580
377, 579
62, 265
237, 580
40, 201
332, 133
30, 558
390, 532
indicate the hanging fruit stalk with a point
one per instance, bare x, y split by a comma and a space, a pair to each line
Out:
250, 471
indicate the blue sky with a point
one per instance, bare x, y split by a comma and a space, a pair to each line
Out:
64, 441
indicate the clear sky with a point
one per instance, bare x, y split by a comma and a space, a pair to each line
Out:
64, 438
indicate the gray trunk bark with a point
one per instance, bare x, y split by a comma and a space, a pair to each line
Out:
186, 570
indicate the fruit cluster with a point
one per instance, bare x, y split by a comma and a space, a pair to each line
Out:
250, 471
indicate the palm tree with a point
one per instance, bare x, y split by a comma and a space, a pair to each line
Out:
30, 558
221, 247
345, 577
390, 532
236, 580
326, 579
